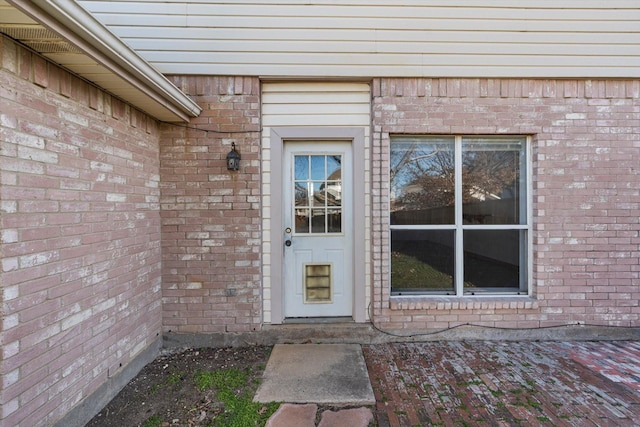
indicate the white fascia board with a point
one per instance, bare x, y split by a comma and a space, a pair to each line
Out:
72, 22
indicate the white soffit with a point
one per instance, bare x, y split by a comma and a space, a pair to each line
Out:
65, 33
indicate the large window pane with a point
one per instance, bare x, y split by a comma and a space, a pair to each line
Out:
422, 261
422, 181
493, 180
493, 259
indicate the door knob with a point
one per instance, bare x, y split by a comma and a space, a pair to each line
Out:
287, 242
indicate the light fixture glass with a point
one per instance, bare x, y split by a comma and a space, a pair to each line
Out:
233, 158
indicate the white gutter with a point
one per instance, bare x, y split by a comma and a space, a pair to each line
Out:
80, 28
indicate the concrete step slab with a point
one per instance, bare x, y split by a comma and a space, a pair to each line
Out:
327, 374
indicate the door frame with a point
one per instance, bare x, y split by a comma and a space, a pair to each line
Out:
278, 136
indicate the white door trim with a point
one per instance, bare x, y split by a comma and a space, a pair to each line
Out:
277, 138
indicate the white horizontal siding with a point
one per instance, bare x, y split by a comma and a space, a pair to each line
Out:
358, 38
315, 104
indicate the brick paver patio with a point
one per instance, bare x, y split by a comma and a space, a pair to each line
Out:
506, 383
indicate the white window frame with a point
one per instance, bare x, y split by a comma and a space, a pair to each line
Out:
458, 227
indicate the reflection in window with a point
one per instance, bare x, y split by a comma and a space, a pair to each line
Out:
491, 181
422, 259
318, 193
458, 204
492, 259
422, 181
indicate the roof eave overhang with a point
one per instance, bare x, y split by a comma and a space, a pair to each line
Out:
78, 27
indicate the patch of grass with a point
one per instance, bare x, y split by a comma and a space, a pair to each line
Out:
543, 419
152, 421
174, 378
233, 390
243, 412
221, 380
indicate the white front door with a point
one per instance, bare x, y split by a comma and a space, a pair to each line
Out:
318, 229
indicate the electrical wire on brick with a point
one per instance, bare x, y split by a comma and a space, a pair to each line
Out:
211, 130
501, 328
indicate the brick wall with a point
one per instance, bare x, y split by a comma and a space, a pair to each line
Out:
211, 216
586, 194
80, 237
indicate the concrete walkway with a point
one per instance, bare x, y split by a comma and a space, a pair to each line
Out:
305, 375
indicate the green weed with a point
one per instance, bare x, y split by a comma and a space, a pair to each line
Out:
534, 404
220, 380
469, 383
174, 378
153, 421
234, 391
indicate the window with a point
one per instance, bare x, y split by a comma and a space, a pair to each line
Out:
459, 215
318, 194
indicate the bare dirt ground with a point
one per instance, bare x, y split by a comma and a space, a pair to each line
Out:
169, 391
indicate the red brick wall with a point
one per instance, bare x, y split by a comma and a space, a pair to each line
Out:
210, 216
80, 237
586, 194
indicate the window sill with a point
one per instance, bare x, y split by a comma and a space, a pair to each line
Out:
486, 302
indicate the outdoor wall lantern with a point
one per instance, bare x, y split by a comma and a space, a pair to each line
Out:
233, 158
